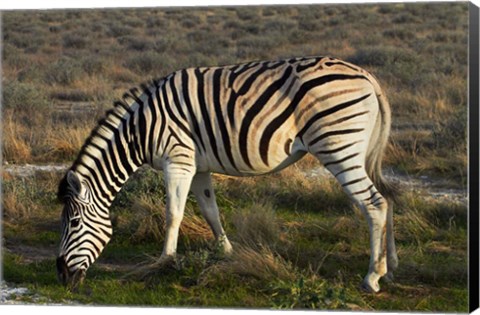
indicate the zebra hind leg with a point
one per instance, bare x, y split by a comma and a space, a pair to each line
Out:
203, 190
392, 259
353, 178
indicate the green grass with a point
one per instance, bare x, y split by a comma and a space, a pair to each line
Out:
286, 256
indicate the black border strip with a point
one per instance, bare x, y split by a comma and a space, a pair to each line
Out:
473, 158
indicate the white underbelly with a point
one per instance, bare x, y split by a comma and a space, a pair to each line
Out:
259, 170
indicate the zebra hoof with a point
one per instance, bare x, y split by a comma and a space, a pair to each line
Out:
367, 288
389, 277
223, 246
165, 262
370, 283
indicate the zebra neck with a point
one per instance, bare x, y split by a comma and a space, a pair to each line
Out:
104, 177
111, 154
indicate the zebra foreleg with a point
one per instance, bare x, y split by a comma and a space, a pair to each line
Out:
177, 182
203, 190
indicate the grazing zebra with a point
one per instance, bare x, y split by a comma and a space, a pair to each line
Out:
247, 119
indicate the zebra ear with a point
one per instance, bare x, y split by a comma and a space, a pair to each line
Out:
74, 182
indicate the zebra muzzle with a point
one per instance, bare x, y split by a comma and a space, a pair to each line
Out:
69, 279
62, 270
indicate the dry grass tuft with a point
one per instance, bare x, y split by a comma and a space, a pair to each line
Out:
17, 201
151, 225
16, 148
349, 225
66, 142
261, 264
413, 223
151, 268
257, 226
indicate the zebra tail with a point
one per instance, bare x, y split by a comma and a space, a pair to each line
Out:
377, 146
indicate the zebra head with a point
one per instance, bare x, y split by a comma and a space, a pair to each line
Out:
85, 231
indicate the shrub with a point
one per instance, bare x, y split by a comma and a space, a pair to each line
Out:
74, 41
93, 65
386, 8
64, 71
191, 21
399, 33
381, 56
200, 35
136, 43
404, 18
24, 97
157, 22
309, 24
247, 13
257, 43
13, 57
451, 133
72, 95
149, 63
116, 29
279, 25
19, 40
310, 293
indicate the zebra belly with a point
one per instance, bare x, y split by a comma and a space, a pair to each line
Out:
289, 160
280, 157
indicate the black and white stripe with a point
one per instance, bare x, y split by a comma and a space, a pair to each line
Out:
247, 119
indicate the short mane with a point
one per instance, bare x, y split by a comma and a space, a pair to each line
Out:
119, 109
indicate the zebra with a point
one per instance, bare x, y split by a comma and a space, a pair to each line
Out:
241, 120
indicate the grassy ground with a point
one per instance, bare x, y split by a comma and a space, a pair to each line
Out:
292, 234
293, 248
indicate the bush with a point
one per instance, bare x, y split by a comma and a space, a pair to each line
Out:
399, 33
247, 13
279, 25
149, 63
23, 97
19, 40
72, 95
74, 41
191, 21
64, 71
404, 18
93, 65
381, 56
14, 57
309, 24
450, 134
116, 29
136, 43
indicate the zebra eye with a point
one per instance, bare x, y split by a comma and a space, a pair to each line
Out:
74, 222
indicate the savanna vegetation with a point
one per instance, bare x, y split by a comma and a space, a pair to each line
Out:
298, 241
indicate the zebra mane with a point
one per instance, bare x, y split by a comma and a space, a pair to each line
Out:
121, 107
